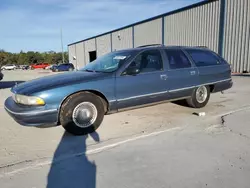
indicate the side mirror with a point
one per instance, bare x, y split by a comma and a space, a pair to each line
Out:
132, 71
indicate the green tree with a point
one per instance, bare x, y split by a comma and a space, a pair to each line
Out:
3, 57
31, 57
22, 58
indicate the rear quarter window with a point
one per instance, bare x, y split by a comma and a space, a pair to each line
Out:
203, 58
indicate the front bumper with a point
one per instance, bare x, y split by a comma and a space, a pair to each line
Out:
39, 116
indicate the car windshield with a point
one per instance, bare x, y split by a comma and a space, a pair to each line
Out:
108, 63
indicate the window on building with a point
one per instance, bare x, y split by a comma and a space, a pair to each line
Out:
92, 56
177, 59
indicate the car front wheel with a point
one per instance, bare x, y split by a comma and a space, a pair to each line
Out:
82, 113
200, 97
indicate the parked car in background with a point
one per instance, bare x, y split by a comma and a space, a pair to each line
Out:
18, 66
50, 67
1, 75
120, 80
25, 67
40, 66
63, 67
8, 67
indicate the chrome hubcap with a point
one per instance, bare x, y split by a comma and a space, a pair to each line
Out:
201, 94
84, 114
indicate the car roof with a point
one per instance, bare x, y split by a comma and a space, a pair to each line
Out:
160, 46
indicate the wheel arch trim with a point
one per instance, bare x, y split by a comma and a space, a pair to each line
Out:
105, 101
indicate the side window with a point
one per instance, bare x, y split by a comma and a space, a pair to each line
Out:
177, 59
203, 58
148, 61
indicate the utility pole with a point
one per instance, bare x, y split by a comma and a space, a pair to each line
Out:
62, 47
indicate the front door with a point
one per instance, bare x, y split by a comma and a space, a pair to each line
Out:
183, 76
146, 86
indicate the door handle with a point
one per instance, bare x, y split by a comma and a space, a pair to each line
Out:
192, 72
164, 76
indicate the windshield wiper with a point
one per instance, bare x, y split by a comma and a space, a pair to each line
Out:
88, 70
101, 71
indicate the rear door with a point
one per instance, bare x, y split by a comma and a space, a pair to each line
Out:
211, 68
148, 86
64, 67
67, 66
182, 74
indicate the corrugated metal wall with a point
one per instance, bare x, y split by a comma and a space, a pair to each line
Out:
80, 60
72, 53
148, 33
237, 34
124, 41
196, 26
103, 45
90, 45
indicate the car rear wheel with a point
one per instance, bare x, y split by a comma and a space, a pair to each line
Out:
200, 97
82, 113
70, 69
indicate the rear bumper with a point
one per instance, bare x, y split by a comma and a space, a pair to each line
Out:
221, 86
31, 116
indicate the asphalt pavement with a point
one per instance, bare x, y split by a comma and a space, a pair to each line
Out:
203, 156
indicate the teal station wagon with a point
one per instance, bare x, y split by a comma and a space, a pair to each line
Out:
120, 80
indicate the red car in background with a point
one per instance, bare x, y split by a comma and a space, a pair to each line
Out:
40, 65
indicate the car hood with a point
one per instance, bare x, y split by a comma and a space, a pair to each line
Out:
54, 81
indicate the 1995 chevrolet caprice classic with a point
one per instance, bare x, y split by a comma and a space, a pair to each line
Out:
119, 80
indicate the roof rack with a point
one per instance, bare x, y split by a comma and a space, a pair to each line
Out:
201, 46
148, 45
175, 46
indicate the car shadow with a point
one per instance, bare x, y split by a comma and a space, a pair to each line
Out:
242, 75
182, 103
76, 170
9, 84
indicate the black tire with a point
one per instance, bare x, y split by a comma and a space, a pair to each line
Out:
194, 102
71, 103
56, 70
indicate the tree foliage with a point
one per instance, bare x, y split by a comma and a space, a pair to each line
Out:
31, 57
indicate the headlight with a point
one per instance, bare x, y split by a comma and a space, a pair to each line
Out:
28, 100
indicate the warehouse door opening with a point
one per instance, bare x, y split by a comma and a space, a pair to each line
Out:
92, 56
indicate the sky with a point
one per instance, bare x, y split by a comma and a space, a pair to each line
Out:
34, 25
